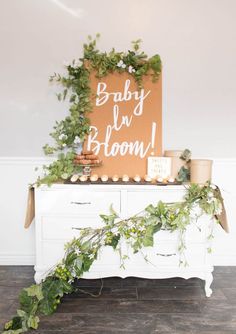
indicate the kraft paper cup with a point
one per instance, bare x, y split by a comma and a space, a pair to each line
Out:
200, 170
176, 162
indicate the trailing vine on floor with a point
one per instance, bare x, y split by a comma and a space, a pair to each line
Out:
138, 231
69, 133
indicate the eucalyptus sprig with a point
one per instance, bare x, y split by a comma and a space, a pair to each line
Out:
184, 172
138, 231
60, 169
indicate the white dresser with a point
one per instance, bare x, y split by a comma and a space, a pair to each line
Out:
61, 207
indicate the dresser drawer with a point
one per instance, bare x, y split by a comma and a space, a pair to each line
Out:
139, 200
165, 255
69, 201
194, 234
53, 252
65, 228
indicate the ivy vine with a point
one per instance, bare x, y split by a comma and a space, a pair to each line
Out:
69, 133
138, 231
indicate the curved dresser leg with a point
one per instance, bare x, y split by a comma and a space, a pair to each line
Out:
208, 281
38, 277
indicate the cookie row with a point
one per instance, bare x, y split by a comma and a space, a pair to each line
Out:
116, 178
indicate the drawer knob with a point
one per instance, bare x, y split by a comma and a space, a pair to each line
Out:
159, 254
81, 203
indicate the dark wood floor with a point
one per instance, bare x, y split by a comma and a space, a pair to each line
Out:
133, 305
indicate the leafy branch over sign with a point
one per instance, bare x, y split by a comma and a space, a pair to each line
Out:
69, 133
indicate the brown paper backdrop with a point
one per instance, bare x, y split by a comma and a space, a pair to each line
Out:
140, 128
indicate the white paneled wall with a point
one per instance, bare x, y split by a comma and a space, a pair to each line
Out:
196, 41
17, 244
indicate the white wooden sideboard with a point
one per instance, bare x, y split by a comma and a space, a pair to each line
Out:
62, 207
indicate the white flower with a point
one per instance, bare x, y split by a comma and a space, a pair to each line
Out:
213, 186
76, 63
121, 64
77, 140
131, 69
66, 63
64, 144
210, 200
62, 137
218, 211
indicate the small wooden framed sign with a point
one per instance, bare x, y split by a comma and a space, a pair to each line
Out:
159, 167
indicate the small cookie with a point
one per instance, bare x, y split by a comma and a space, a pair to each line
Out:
95, 162
125, 178
84, 152
74, 178
137, 178
80, 157
160, 179
115, 178
85, 162
104, 178
94, 177
83, 178
147, 178
92, 157
171, 179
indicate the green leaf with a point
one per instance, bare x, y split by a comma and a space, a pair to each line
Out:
52, 289
78, 262
35, 290
114, 241
21, 313
70, 258
112, 211
27, 303
33, 322
148, 241
14, 331
183, 174
14, 324
86, 246
150, 209
156, 227
186, 155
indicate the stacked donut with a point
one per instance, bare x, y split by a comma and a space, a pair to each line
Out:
87, 158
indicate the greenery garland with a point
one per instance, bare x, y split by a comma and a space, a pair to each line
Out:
138, 231
69, 133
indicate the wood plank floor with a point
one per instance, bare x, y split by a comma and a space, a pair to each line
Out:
132, 305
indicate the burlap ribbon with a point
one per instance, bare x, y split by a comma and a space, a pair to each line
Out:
222, 218
30, 209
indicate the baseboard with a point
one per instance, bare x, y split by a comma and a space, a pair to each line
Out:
17, 260
223, 260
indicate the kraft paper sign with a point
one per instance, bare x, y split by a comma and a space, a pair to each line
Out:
159, 167
126, 124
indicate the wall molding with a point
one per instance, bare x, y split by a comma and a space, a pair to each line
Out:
17, 259
25, 160
20, 251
